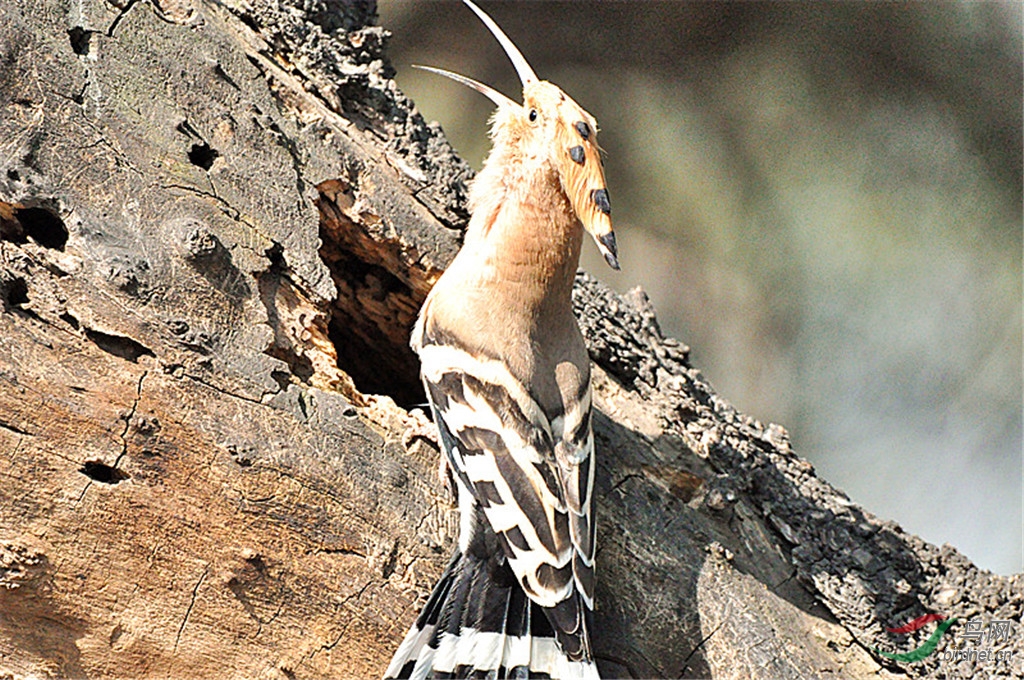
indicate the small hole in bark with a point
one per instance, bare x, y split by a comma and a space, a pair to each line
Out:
282, 379
202, 155
43, 227
250, 21
16, 292
118, 345
80, 39
103, 473
13, 175
257, 561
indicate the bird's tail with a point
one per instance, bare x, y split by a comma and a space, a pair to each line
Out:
478, 622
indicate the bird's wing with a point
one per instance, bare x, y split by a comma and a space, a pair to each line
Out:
532, 476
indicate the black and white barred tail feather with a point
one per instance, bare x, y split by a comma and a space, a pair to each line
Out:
478, 623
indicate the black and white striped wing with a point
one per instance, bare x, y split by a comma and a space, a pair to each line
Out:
532, 477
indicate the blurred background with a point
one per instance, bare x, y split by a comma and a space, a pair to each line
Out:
824, 200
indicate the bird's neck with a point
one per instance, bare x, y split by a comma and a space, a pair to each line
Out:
524, 235
508, 293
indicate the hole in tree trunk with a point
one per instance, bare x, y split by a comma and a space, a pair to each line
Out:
103, 473
14, 291
378, 299
202, 155
80, 39
43, 227
19, 223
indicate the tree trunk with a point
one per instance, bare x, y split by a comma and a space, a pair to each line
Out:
217, 222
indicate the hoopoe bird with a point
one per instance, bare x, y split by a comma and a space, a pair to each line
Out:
508, 380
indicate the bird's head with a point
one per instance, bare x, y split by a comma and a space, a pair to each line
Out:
550, 128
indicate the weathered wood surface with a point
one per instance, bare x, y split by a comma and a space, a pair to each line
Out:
205, 210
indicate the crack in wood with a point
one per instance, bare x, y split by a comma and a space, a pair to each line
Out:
191, 605
128, 419
15, 429
121, 15
331, 645
697, 648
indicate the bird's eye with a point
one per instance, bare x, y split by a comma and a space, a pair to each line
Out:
533, 115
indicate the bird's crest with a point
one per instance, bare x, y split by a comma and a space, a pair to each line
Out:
549, 127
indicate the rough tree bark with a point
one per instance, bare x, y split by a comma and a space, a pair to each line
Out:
217, 220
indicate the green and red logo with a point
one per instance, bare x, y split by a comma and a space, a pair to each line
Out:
926, 649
